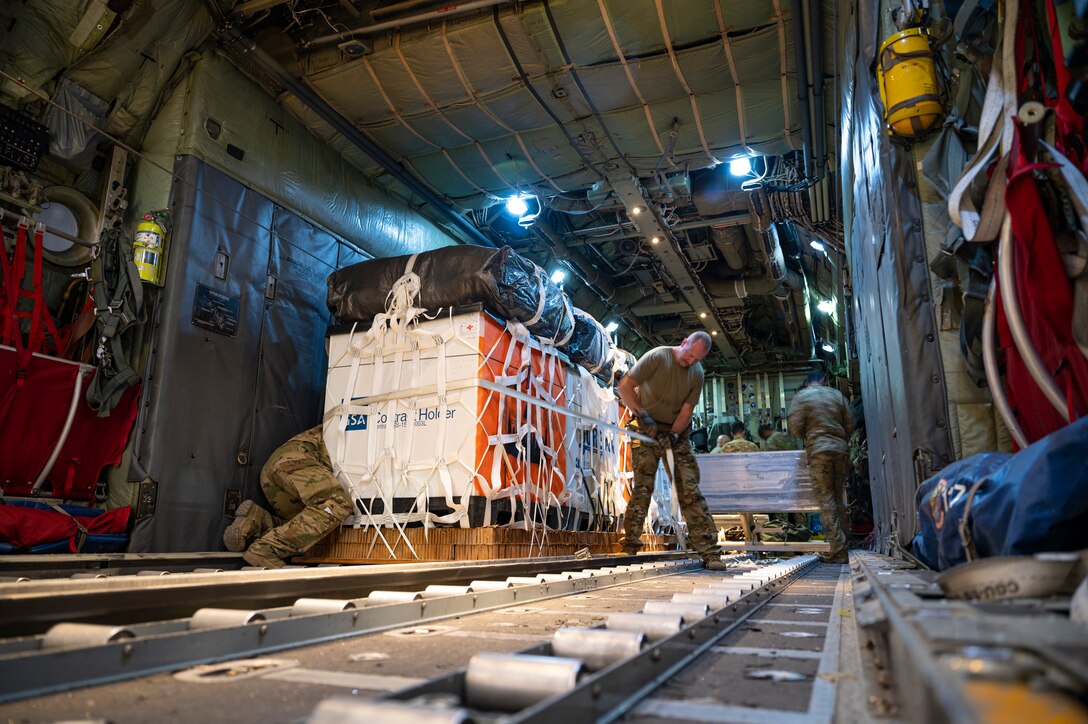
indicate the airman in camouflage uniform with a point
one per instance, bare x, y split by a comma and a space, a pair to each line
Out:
820, 416
720, 447
661, 390
775, 440
739, 443
299, 484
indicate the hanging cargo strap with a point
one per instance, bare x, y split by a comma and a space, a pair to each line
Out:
75, 544
119, 300
40, 322
669, 461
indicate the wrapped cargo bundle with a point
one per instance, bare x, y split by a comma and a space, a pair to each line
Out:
461, 420
507, 283
590, 345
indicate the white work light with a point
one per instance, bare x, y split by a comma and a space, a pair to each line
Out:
827, 306
740, 166
516, 206
558, 276
611, 327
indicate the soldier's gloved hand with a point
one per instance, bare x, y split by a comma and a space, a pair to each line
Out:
646, 424
674, 439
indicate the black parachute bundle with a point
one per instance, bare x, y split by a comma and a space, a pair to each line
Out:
590, 346
506, 283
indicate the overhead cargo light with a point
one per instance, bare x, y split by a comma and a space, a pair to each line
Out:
827, 306
559, 275
636, 210
702, 315
516, 205
740, 166
827, 347
817, 245
714, 333
655, 240
611, 327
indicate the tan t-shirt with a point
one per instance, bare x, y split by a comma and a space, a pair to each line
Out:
664, 386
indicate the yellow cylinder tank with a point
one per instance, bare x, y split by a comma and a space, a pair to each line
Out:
147, 248
907, 77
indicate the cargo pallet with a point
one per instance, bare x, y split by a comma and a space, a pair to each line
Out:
362, 545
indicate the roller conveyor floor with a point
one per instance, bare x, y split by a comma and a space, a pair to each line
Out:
771, 654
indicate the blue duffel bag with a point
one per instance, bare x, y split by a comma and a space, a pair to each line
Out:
997, 504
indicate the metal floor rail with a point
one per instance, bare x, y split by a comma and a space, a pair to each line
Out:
72, 654
643, 650
939, 659
152, 594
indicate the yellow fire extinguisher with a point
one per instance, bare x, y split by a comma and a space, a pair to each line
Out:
907, 76
147, 247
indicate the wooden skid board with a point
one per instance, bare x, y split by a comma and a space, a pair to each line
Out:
758, 482
363, 545
808, 546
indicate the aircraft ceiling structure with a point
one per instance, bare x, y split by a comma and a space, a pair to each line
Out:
617, 123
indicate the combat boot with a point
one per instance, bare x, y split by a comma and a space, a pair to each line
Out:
259, 555
840, 557
251, 521
714, 564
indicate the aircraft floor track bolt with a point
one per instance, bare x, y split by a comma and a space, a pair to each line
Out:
126, 650
596, 691
656, 655
263, 629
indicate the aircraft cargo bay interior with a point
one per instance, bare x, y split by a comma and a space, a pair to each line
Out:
544, 360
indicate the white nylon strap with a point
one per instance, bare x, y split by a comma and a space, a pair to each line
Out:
1074, 182
540, 298
569, 312
994, 139
670, 469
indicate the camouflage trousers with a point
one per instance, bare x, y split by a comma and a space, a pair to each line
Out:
828, 480
302, 490
702, 535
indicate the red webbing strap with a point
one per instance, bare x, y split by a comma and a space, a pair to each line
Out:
35, 338
13, 334
8, 294
1070, 123
1046, 303
42, 317
41, 322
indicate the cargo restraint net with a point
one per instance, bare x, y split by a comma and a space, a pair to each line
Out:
459, 405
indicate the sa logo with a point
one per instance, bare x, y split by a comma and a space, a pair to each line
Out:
943, 497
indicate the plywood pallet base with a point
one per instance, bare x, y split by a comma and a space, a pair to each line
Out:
362, 545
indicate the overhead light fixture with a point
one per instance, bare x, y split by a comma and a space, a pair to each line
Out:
702, 315
611, 327
827, 347
516, 205
817, 245
655, 240
636, 210
558, 276
827, 306
714, 333
740, 166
